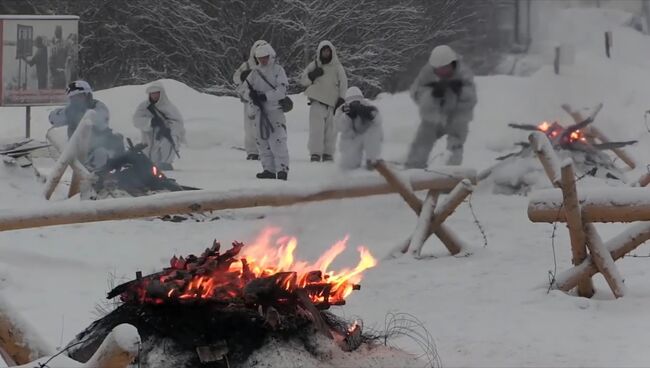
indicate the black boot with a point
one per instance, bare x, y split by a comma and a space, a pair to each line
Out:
266, 175
328, 158
282, 175
315, 158
253, 157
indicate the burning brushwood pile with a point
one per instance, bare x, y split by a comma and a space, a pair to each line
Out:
585, 145
222, 308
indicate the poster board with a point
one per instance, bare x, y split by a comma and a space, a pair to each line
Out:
39, 57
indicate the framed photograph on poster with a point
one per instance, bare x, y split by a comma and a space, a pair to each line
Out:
38, 58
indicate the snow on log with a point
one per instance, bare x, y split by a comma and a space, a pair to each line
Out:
19, 342
575, 225
618, 247
544, 151
203, 200
453, 200
69, 153
598, 205
604, 261
118, 349
421, 232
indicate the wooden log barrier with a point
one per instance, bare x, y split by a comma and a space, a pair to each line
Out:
575, 225
203, 200
598, 205
546, 155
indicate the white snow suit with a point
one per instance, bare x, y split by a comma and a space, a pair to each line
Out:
323, 93
449, 115
103, 142
359, 135
159, 148
270, 122
249, 131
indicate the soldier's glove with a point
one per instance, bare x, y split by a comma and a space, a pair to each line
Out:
456, 86
317, 72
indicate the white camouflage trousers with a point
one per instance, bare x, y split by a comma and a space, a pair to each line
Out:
273, 150
322, 134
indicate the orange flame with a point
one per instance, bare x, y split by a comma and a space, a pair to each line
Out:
272, 254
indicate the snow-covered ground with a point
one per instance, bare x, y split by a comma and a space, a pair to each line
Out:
488, 309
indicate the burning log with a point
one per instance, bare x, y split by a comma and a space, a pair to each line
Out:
205, 201
19, 343
597, 134
598, 205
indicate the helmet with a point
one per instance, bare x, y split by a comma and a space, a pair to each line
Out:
78, 87
263, 50
353, 94
442, 55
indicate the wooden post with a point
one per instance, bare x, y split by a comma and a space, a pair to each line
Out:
407, 193
421, 232
618, 247
546, 155
608, 43
575, 225
604, 261
118, 349
556, 61
28, 121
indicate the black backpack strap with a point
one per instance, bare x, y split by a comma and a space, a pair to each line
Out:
264, 78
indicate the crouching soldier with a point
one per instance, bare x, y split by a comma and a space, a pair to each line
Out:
359, 123
445, 94
102, 143
161, 125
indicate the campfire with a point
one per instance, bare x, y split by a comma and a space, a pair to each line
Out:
586, 146
230, 278
222, 306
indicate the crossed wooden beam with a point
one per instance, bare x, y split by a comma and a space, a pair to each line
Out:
431, 214
590, 254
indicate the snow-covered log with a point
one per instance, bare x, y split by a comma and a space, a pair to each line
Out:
644, 180
401, 186
598, 205
204, 200
604, 261
69, 154
118, 350
575, 225
453, 200
19, 342
618, 247
421, 232
544, 151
